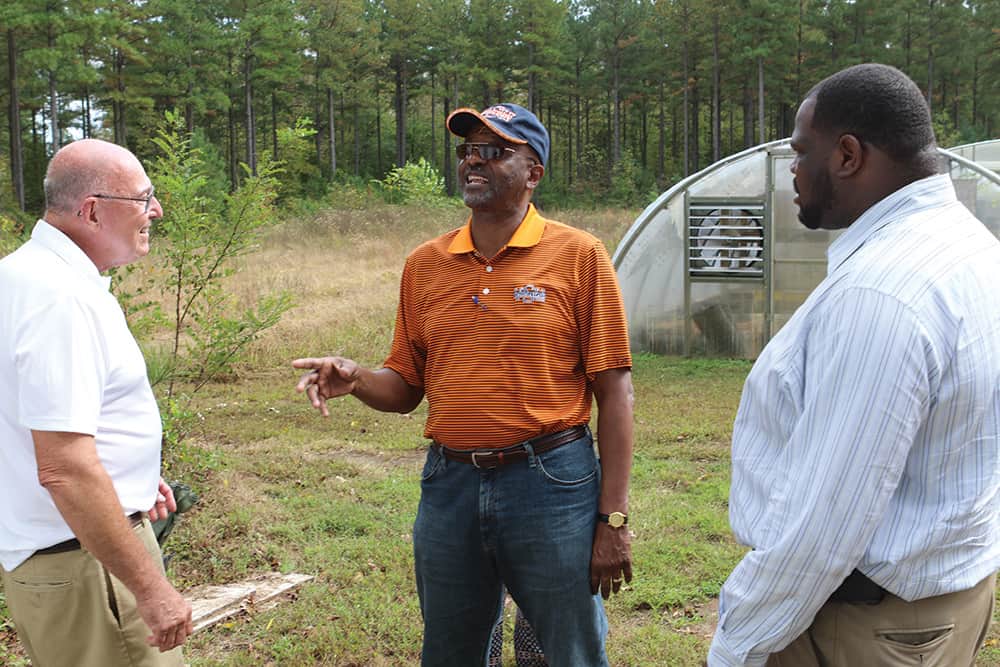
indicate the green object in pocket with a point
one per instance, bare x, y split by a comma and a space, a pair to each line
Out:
186, 499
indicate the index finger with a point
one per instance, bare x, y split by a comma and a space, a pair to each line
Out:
307, 362
627, 571
305, 381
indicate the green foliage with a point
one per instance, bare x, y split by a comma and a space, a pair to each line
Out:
204, 229
945, 131
299, 176
14, 224
414, 183
353, 194
603, 75
213, 162
12, 235
219, 339
629, 185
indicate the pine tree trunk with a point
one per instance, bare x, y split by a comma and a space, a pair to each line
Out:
747, 117
232, 147
531, 77
400, 101
53, 102
251, 126
433, 118
716, 92
333, 130
357, 140
378, 133
760, 98
570, 147
687, 112
14, 118
118, 107
579, 128
695, 124
616, 148
274, 124
449, 177
661, 144
930, 55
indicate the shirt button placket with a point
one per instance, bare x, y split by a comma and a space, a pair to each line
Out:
486, 290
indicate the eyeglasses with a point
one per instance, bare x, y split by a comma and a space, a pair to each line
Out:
147, 199
486, 151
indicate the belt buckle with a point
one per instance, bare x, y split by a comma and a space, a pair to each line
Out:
478, 453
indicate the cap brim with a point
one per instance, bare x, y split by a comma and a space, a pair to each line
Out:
463, 121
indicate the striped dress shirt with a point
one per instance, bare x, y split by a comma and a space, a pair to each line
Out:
868, 432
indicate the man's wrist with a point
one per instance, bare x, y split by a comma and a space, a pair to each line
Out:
614, 519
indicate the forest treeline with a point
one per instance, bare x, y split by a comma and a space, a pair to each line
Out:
636, 93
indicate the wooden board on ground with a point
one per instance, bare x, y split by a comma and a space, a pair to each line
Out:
212, 604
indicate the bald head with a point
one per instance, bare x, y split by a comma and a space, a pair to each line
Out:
98, 195
81, 169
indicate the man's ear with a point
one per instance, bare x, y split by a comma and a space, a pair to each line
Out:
850, 155
535, 174
88, 212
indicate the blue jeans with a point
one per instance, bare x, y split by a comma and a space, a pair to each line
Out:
528, 525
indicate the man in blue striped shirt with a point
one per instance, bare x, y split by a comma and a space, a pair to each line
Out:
866, 449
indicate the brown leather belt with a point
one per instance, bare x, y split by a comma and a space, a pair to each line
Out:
492, 458
73, 544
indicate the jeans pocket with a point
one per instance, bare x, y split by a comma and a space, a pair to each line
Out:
924, 646
569, 465
433, 464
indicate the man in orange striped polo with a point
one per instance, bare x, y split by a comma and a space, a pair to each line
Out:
509, 325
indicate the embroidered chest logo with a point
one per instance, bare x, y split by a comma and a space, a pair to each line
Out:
529, 294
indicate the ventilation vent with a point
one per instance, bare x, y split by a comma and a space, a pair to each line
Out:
726, 240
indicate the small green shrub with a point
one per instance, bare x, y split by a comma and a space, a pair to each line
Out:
12, 234
299, 176
204, 229
414, 183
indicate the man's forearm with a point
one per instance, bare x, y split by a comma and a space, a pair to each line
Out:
385, 390
613, 390
81, 489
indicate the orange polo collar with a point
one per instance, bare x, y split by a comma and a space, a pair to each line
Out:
527, 234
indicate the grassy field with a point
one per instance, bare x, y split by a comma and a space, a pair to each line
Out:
283, 489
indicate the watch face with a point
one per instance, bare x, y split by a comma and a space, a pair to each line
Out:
616, 519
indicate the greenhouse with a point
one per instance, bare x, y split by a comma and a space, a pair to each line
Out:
719, 262
984, 153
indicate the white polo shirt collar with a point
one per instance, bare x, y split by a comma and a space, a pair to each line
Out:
63, 247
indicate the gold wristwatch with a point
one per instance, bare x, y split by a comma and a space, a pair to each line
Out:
615, 519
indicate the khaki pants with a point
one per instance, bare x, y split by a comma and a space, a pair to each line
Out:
942, 631
70, 612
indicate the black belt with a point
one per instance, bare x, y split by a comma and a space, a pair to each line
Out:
73, 544
858, 589
492, 458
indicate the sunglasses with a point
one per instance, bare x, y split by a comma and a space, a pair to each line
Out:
486, 151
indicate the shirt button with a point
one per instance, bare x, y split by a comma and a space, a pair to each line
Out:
489, 269
486, 290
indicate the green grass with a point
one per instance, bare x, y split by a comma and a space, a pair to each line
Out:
336, 498
283, 489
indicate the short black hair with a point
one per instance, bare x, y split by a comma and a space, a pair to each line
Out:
880, 105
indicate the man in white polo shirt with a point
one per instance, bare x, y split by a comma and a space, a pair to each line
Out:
80, 431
